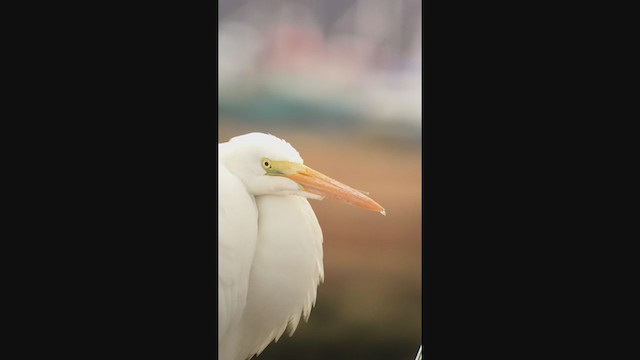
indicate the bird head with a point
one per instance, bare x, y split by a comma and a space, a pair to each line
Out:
268, 165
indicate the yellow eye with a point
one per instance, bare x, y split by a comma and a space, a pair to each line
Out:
266, 163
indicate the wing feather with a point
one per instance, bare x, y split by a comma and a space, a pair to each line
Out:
237, 236
287, 269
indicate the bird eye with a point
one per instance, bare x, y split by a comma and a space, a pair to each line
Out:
266, 164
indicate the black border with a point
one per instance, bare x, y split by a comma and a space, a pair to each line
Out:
120, 112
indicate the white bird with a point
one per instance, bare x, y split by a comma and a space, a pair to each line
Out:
270, 241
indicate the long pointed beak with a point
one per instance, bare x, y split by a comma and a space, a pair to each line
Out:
317, 183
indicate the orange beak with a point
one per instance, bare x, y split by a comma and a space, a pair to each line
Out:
317, 183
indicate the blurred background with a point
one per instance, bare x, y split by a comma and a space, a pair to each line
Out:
341, 81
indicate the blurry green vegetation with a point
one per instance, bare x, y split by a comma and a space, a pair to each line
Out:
355, 322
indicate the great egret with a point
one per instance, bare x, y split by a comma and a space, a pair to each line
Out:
270, 242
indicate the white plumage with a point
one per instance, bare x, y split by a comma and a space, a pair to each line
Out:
270, 241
